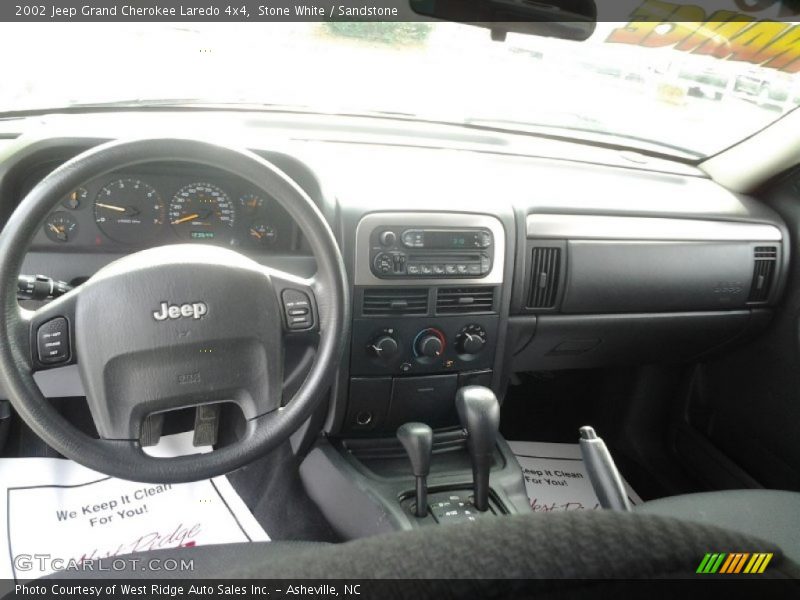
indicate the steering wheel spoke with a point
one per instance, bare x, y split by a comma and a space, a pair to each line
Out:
51, 333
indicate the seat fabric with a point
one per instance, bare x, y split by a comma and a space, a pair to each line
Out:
573, 545
767, 514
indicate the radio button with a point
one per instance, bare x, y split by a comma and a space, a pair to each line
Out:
388, 238
399, 263
384, 263
413, 238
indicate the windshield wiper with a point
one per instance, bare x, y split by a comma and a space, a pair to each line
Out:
595, 137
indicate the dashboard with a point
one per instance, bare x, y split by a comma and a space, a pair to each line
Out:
470, 257
164, 204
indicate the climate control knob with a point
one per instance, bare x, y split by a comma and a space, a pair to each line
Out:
430, 346
429, 343
471, 339
383, 347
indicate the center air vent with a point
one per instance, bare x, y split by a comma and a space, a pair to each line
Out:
545, 267
763, 270
465, 300
395, 301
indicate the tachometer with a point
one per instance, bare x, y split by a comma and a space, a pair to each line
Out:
202, 211
129, 211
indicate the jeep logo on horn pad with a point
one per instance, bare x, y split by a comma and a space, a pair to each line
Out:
175, 311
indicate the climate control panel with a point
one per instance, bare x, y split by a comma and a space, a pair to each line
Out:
408, 346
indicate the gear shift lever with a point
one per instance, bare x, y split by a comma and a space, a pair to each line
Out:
417, 439
479, 412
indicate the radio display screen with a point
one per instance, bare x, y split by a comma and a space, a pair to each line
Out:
445, 239
452, 240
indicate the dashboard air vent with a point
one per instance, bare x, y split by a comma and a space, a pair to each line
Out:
395, 301
766, 258
545, 267
464, 300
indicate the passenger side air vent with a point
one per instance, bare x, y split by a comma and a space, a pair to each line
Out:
545, 268
766, 257
395, 301
464, 300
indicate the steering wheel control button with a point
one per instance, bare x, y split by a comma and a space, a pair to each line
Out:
297, 308
52, 341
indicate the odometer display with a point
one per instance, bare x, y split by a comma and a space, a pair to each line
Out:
129, 211
202, 211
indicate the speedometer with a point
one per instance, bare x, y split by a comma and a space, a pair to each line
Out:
129, 211
202, 211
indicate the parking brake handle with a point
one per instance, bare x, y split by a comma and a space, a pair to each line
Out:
603, 473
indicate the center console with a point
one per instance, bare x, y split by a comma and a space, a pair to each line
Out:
417, 446
426, 315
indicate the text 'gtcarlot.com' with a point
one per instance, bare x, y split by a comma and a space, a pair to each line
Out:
46, 562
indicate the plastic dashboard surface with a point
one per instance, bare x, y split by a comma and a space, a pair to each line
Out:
504, 177
165, 204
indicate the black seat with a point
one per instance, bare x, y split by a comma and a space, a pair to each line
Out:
767, 514
572, 545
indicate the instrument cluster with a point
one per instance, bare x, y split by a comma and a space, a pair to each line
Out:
165, 206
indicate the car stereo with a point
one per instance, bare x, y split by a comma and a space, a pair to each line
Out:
443, 253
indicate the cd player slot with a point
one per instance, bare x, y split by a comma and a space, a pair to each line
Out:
444, 257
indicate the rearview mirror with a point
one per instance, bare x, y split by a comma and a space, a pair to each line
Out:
565, 19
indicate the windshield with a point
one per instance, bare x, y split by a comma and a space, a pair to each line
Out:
614, 84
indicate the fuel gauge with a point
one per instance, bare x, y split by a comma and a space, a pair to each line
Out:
261, 234
60, 227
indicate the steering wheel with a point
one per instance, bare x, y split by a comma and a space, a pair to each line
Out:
172, 327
